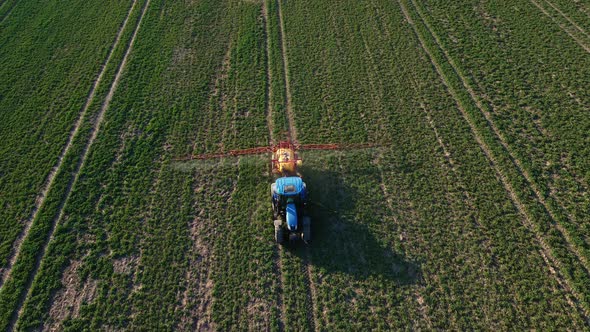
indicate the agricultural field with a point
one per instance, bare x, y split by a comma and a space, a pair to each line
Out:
468, 210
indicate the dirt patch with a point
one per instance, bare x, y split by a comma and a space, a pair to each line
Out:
68, 300
198, 295
182, 55
423, 308
125, 265
182, 58
312, 309
257, 307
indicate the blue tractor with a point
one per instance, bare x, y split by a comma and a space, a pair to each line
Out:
289, 201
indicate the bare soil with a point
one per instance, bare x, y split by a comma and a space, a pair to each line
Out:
68, 300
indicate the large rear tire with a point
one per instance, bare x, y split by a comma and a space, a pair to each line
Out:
275, 210
279, 236
306, 229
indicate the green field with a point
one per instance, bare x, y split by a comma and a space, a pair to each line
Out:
469, 211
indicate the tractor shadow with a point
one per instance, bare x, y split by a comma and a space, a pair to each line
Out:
344, 233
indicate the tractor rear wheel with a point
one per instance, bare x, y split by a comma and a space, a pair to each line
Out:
275, 210
306, 229
279, 236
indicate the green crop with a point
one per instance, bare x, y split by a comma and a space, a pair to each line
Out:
467, 214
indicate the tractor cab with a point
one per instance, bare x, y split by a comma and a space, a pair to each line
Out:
289, 198
289, 188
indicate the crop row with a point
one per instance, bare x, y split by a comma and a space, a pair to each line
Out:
559, 231
276, 67
576, 12
294, 293
6, 8
429, 230
570, 17
47, 73
555, 242
538, 102
434, 215
239, 236
33, 246
107, 204
127, 237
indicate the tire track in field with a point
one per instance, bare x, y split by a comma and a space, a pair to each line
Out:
8, 11
65, 303
94, 133
311, 291
268, 94
564, 29
423, 308
306, 266
497, 133
278, 250
545, 249
288, 97
40, 199
574, 24
450, 164
469, 201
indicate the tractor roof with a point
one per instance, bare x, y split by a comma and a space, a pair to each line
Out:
289, 186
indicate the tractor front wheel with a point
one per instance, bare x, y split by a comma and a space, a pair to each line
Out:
279, 236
